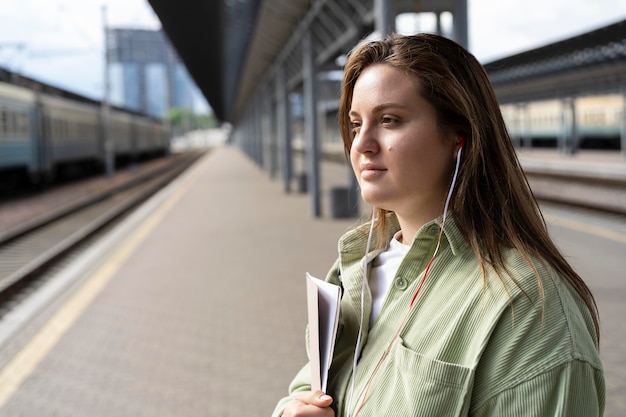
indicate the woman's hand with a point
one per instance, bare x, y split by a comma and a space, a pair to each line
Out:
312, 404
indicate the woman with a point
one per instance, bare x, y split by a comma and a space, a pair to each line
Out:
469, 309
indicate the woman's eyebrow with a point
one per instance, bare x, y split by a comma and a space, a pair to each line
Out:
381, 107
391, 105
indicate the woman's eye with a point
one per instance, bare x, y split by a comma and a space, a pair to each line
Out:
355, 126
387, 120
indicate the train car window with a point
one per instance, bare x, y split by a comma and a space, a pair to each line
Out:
58, 127
24, 126
70, 130
13, 123
3, 121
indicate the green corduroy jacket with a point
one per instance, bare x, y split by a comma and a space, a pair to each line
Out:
469, 347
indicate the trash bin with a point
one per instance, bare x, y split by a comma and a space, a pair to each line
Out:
343, 203
301, 180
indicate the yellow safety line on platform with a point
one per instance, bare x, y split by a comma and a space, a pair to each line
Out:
587, 228
25, 362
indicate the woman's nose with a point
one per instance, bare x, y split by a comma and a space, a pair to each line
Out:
366, 141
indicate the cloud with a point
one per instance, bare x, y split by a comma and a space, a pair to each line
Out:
501, 28
63, 41
64, 38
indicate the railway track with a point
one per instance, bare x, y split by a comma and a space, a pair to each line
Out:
29, 250
595, 191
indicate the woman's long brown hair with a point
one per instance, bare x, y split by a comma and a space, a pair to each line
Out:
493, 204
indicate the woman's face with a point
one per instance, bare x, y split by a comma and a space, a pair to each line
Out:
401, 158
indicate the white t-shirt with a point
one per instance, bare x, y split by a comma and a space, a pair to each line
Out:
383, 271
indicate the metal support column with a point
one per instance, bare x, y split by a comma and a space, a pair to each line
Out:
438, 29
258, 130
623, 130
249, 133
246, 137
270, 117
385, 16
460, 23
253, 130
265, 129
283, 127
311, 122
568, 140
525, 126
109, 152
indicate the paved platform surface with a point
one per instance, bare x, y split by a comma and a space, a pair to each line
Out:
198, 311
196, 307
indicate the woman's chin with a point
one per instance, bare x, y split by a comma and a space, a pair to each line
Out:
374, 199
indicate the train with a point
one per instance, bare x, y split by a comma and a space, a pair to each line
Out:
599, 121
47, 133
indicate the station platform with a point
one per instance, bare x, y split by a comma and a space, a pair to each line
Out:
193, 306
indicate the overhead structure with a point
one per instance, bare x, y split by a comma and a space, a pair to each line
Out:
230, 45
262, 64
591, 63
268, 67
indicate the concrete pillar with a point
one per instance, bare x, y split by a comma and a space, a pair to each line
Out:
311, 122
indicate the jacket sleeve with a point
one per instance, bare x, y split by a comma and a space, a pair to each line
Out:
302, 381
572, 389
542, 357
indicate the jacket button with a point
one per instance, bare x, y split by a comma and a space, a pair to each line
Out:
401, 283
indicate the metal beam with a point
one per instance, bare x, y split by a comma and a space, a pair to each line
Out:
283, 128
385, 15
311, 122
460, 23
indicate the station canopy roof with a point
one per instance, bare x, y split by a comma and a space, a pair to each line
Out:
227, 45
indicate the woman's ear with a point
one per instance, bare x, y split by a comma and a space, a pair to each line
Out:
460, 143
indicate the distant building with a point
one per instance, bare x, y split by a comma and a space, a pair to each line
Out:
146, 74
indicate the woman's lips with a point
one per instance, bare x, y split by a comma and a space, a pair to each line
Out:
371, 171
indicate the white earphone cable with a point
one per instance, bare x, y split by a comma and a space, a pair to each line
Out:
363, 287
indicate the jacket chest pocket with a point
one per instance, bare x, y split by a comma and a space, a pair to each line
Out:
412, 385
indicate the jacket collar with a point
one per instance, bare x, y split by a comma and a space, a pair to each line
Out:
355, 241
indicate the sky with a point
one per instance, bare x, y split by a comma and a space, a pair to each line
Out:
61, 42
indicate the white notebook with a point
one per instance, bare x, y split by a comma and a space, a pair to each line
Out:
323, 301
